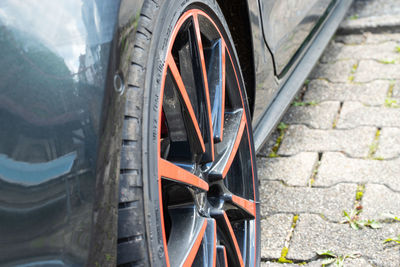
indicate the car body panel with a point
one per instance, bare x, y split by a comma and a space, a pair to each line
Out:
287, 24
294, 80
60, 121
266, 84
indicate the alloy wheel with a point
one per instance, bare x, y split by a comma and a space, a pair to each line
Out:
206, 169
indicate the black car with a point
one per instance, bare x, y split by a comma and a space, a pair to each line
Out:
129, 128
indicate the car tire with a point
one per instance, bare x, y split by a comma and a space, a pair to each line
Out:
188, 179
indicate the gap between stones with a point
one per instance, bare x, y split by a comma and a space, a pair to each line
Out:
285, 248
374, 146
315, 170
353, 71
390, 89
282, 127
337, 115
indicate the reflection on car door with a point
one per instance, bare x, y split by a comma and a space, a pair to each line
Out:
287, 24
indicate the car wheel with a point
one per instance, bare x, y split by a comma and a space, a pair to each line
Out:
188, 183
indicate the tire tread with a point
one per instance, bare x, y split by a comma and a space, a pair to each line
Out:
132, 248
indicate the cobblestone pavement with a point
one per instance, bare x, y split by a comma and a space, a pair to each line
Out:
338, 149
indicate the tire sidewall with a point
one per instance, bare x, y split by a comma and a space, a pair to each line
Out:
168, 16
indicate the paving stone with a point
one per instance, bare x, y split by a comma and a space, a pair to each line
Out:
276, 264
371, 38
396, 92
319, 116
357, 262
274, 230
337, 168
278, 198
381, 71
313, 234
389, 143
370, 8
368, 23
351, 39
354, 142
338, 71
355, 114
382, 51
378, 200
295, 170
373, 93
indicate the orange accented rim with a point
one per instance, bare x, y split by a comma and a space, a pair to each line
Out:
204, 138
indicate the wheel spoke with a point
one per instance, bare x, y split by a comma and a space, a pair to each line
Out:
215, 60
233, 133
226, 228
187, 232
210, 154
246, 205
170, 171
222, 259
186, 100
211, 233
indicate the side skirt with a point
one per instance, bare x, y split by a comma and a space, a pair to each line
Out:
288, 91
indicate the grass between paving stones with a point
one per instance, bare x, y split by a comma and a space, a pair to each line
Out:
374, 146
395, 240
390, 90
337, 116
392, 217
353, 71
282, 128
386, 61
285, 249
302, 104
315, 170
397, 49
354, 17
389, 101
329, 257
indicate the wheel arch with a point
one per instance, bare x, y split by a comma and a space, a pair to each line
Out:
236, 13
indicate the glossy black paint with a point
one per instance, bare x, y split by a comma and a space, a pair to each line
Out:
60, 123
286, 25
299, 72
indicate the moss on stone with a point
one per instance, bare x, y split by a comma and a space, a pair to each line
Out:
283, 259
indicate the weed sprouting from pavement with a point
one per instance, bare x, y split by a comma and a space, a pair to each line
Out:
329, 257
353, 219
391, 103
